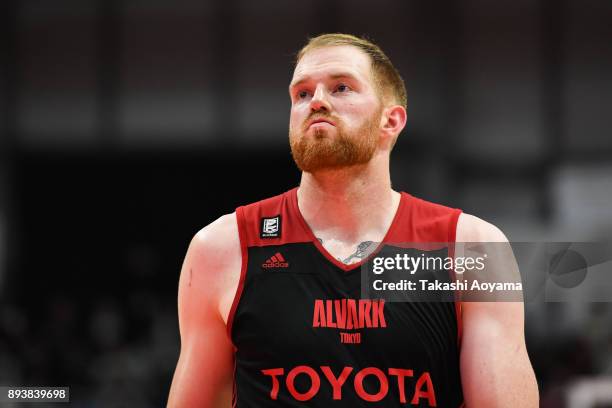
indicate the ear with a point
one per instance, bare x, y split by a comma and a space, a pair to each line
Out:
393, 120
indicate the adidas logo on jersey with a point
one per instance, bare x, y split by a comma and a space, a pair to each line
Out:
275, 261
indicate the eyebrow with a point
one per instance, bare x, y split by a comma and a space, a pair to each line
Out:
336, 75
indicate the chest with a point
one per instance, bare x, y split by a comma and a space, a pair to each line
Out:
295, 301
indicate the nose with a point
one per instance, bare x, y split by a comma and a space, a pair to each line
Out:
319, 100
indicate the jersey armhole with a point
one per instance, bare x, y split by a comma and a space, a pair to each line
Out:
452, 237
242, 234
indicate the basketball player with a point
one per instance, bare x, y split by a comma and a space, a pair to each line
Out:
269, 296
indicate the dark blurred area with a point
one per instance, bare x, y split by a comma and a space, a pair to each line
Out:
128, 126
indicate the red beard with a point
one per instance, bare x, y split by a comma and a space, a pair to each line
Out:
323, 151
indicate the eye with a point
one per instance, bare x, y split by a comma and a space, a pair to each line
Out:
342, 88
302, 94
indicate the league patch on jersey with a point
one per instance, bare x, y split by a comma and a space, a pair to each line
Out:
271, 227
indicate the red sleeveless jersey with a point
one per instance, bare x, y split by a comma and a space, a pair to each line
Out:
304, 336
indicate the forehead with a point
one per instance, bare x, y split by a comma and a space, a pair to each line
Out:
333, 60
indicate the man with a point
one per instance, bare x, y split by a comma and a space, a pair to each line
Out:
269, 304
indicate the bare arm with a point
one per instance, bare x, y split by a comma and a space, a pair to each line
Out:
203, 376
495, 368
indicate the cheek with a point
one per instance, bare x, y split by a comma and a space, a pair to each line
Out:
292, 117
297, 116
356, 107
355, 114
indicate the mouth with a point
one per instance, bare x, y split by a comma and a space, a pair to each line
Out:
321, 121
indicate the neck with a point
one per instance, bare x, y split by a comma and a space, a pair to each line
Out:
348, 203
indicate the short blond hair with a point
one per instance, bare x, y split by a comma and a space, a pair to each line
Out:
389, 82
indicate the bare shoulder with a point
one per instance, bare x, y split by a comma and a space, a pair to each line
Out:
211, 269
473, 229
213, 244
501, 266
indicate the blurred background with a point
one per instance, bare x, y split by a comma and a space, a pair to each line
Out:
126, 126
